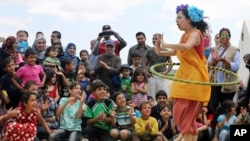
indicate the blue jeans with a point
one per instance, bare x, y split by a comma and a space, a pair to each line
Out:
61, 134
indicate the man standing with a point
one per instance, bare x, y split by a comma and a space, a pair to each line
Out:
99, 47
140, 48
156, 83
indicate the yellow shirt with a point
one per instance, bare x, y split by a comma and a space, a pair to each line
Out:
141, 131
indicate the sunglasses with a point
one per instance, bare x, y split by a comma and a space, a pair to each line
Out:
224, 36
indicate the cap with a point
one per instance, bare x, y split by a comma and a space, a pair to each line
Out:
109, 42
125, 66
106, 27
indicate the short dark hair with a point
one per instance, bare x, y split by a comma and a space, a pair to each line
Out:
65, 61
97, 85
6, 61
140, 33
84, 51
135, 55
29, 51
114, 96
161, 93
58, 34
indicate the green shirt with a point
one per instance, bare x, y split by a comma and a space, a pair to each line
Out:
94, 108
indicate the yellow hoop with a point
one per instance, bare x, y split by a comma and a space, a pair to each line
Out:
152, 69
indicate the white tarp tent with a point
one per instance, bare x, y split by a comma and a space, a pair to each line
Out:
244, 46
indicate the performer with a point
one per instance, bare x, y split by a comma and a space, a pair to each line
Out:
188, 98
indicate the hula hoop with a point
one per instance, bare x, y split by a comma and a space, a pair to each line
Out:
152, 69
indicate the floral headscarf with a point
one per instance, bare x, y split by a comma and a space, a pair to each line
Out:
8, 47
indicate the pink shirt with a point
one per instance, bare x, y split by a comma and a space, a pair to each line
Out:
28, 72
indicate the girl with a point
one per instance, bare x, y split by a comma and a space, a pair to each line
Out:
82, 79
146, 127
139, 86
70, 111
51, 59
225, 119
123, 118
31, 71
22, 127
165, 123
51, 83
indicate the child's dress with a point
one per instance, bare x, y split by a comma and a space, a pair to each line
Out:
21, 128
139, 97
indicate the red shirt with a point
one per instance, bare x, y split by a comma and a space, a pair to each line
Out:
101, 48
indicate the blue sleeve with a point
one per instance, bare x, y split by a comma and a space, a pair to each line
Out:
235, 64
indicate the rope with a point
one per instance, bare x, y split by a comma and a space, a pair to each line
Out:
152, 69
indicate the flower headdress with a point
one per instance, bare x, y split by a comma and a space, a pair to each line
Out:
181, 7
195, 14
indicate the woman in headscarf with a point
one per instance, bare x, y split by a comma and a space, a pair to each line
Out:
70, 52
40, 46
10, 46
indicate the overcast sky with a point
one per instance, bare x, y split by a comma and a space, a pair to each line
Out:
80, 21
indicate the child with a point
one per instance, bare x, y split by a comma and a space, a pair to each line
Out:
67, 78
82, 79
98, 114
165, 123
123, 118
151, 100
131, 104
52, 84
31, 86
139, 86
84, 55
161, 99
70, 112
31, 71
92, 95
146, 127
225, 119
136, 61
13, 93
125, 86
51, 59
48, 108
22, 41
22, 127
3, 110
244, 116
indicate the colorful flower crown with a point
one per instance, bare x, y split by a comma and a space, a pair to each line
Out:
195, 14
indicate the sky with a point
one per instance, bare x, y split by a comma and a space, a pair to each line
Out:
80, 21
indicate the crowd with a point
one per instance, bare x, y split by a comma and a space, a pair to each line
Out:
48, 93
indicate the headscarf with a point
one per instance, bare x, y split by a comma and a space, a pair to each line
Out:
73, 57
8, 47
40, 53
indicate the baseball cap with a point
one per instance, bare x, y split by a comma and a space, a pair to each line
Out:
106, 27
109, 42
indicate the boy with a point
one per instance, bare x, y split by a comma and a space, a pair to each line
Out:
67, 77
22, 41
131, 104
13, 95
161, 99
136, 61
97, 114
